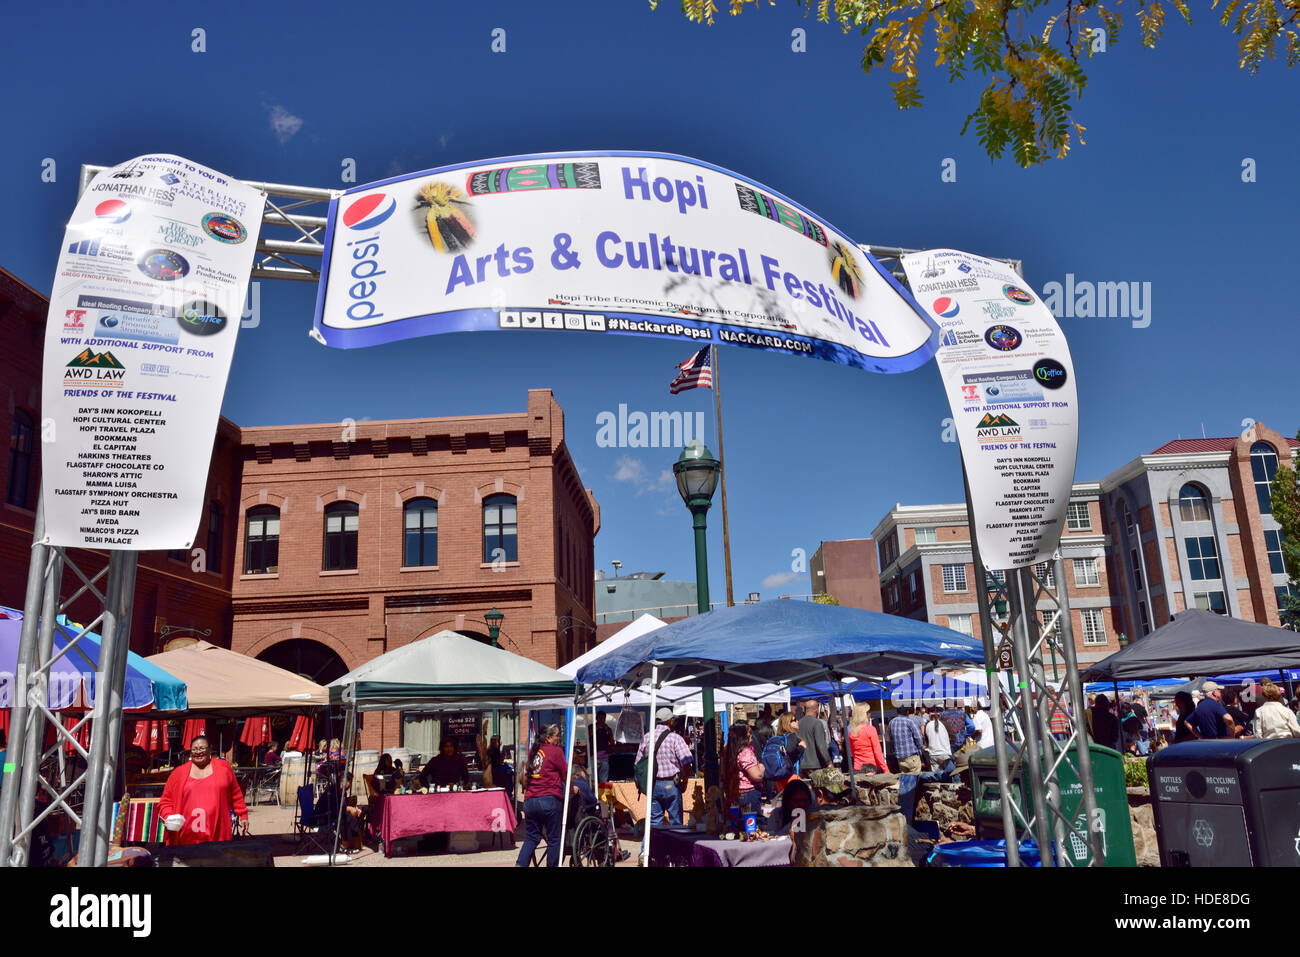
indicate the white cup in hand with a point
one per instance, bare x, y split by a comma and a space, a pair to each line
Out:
174, 822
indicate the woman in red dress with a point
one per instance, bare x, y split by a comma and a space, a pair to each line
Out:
199, 798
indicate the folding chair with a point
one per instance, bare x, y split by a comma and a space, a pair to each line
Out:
312, 826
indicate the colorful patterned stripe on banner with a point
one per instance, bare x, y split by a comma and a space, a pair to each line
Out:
513, 179
755, 202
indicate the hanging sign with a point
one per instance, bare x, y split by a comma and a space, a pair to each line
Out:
146, 305
614, 244
1010, 382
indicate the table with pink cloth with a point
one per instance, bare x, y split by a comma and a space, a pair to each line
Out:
395, 816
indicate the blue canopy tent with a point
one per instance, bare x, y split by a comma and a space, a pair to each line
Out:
1107, 687
789, 642
780, 641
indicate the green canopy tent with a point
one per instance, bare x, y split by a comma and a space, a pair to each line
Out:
445, 672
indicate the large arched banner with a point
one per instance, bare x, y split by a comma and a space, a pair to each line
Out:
610, 243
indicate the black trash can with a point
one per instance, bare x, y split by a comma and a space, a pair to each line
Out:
1227, 803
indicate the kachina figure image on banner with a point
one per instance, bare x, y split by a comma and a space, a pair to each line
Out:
845, 269
450, 228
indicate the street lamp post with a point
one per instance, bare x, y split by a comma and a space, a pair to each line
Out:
697, 474
494, 619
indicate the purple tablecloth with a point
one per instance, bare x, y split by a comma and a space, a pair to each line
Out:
395, 816
687, 848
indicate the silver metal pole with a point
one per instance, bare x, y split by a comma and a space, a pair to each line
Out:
38, 683
1082, 746
99, 773
1032, 763
1005, 785
127, 567
349, 738
650, 763
36, 572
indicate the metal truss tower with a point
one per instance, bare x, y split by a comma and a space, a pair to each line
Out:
289, 247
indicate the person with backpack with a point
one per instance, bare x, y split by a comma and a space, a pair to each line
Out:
742, 772
672, 760
781, 752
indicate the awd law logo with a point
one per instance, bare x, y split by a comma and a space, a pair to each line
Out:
100, 369
997, 429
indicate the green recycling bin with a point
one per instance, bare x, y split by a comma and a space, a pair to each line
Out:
1108, 787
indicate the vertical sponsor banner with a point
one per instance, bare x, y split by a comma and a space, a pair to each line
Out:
645, 244
146, 305
1010, 382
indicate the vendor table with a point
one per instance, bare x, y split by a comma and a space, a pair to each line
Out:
686, 847
395, 816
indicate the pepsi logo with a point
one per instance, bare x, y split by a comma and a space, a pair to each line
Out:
113, 211
946, 307
369, 211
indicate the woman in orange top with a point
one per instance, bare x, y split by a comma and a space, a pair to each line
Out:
865, 742
199, 797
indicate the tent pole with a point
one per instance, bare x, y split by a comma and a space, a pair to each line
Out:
650, 763
994, 682
848, 745
349, 733
570, 719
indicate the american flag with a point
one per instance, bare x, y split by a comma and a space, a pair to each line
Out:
695, 373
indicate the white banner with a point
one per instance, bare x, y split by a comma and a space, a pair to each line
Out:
146, 305
611, 243
1010, 382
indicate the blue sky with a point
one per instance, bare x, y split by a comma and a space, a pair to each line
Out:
815, 451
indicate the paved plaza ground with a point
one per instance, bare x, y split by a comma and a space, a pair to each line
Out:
275, 825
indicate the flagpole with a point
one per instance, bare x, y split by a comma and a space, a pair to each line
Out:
722, 462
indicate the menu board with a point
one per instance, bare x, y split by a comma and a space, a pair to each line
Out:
463, 728
146, 305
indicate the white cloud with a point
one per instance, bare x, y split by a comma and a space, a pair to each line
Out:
631, 469
283, 123
779, 579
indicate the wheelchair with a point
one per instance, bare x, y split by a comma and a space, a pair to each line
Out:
590, 838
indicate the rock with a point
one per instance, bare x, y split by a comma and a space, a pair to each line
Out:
1147, 849
855, 836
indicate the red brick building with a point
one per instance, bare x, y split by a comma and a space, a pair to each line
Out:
846, 570
322, 546
387, 532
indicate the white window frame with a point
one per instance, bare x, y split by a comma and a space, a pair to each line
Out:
958, 570
953, 619
1094, 626
1088, 579
931, 535
1046, 570
1073, 522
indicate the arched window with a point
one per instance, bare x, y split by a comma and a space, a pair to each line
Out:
341, 522
500, 529
262, 541
420, 532
1193, 504
1263, 464
21, 440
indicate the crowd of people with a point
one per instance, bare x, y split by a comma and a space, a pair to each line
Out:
1247, 711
